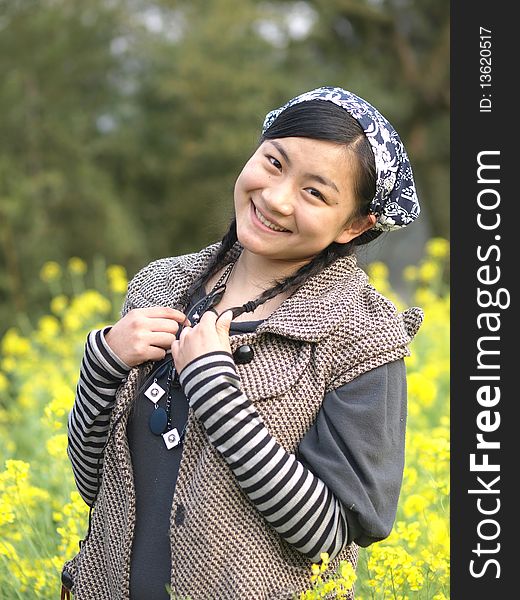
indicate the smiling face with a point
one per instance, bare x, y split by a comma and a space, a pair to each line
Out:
294, 197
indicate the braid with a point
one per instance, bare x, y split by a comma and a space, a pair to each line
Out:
367, 236
217, 262
321, 261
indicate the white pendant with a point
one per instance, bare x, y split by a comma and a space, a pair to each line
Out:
171, 438
154, 392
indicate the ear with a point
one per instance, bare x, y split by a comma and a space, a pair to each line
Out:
356, 228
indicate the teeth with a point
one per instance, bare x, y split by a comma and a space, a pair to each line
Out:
267, 223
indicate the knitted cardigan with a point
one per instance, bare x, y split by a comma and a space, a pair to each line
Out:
332, 329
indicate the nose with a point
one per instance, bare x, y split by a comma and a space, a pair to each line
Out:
279, 197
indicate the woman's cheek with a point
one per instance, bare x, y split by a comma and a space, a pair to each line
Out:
250, 179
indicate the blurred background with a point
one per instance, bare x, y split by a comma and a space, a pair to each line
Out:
124, 124
123, 127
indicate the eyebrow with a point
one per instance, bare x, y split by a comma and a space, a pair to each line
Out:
318, 178
322, 180
281, 150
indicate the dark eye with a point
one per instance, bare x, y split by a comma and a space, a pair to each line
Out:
275, 162
317, 194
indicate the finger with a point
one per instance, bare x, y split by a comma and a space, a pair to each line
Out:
155, 353
162, 325
210, 316
162, 312
223, 323
160, 339
185, 332
175, 349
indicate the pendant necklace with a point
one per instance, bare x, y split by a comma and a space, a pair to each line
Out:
161, 418
211, 299
160, 421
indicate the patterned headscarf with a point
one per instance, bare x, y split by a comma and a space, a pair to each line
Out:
395, 203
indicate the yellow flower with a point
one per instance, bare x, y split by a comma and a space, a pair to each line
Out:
6, 513
425, 297
72, 522
16, 492
429, 270
422, 389
48, 326
329, 587
4, 382
8, 550
59, 304
13, 344
408, 532
50, 271
378, 270
86, 305
57, 445
72, 322
8, 364
438, 532
77, 266
437, 247
347, 572
116, 272
414, 504
415, 578
118, 285
410, 273
27, 397
57, 410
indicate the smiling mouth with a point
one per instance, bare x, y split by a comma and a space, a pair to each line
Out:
267, 223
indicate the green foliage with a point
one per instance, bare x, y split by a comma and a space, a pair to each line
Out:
125, 124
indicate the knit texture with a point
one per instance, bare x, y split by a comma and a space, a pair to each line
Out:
335, 327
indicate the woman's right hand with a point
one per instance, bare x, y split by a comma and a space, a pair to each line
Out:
144, 334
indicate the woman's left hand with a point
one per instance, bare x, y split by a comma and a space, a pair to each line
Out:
211, 334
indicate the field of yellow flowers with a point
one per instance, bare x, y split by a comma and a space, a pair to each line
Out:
42, 517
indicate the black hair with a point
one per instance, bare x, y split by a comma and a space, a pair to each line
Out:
320, 120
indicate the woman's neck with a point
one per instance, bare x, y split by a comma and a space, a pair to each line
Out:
251, 276
257, 273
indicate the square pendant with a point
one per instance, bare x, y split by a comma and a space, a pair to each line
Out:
171, 438
154, 392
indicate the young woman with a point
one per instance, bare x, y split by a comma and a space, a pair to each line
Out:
248, 410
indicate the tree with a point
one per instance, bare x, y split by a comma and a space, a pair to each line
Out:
125, 124
55, 199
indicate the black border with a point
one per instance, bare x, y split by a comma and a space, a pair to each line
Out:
472, 132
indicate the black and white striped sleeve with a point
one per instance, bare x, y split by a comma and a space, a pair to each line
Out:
296, 503
101, 373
